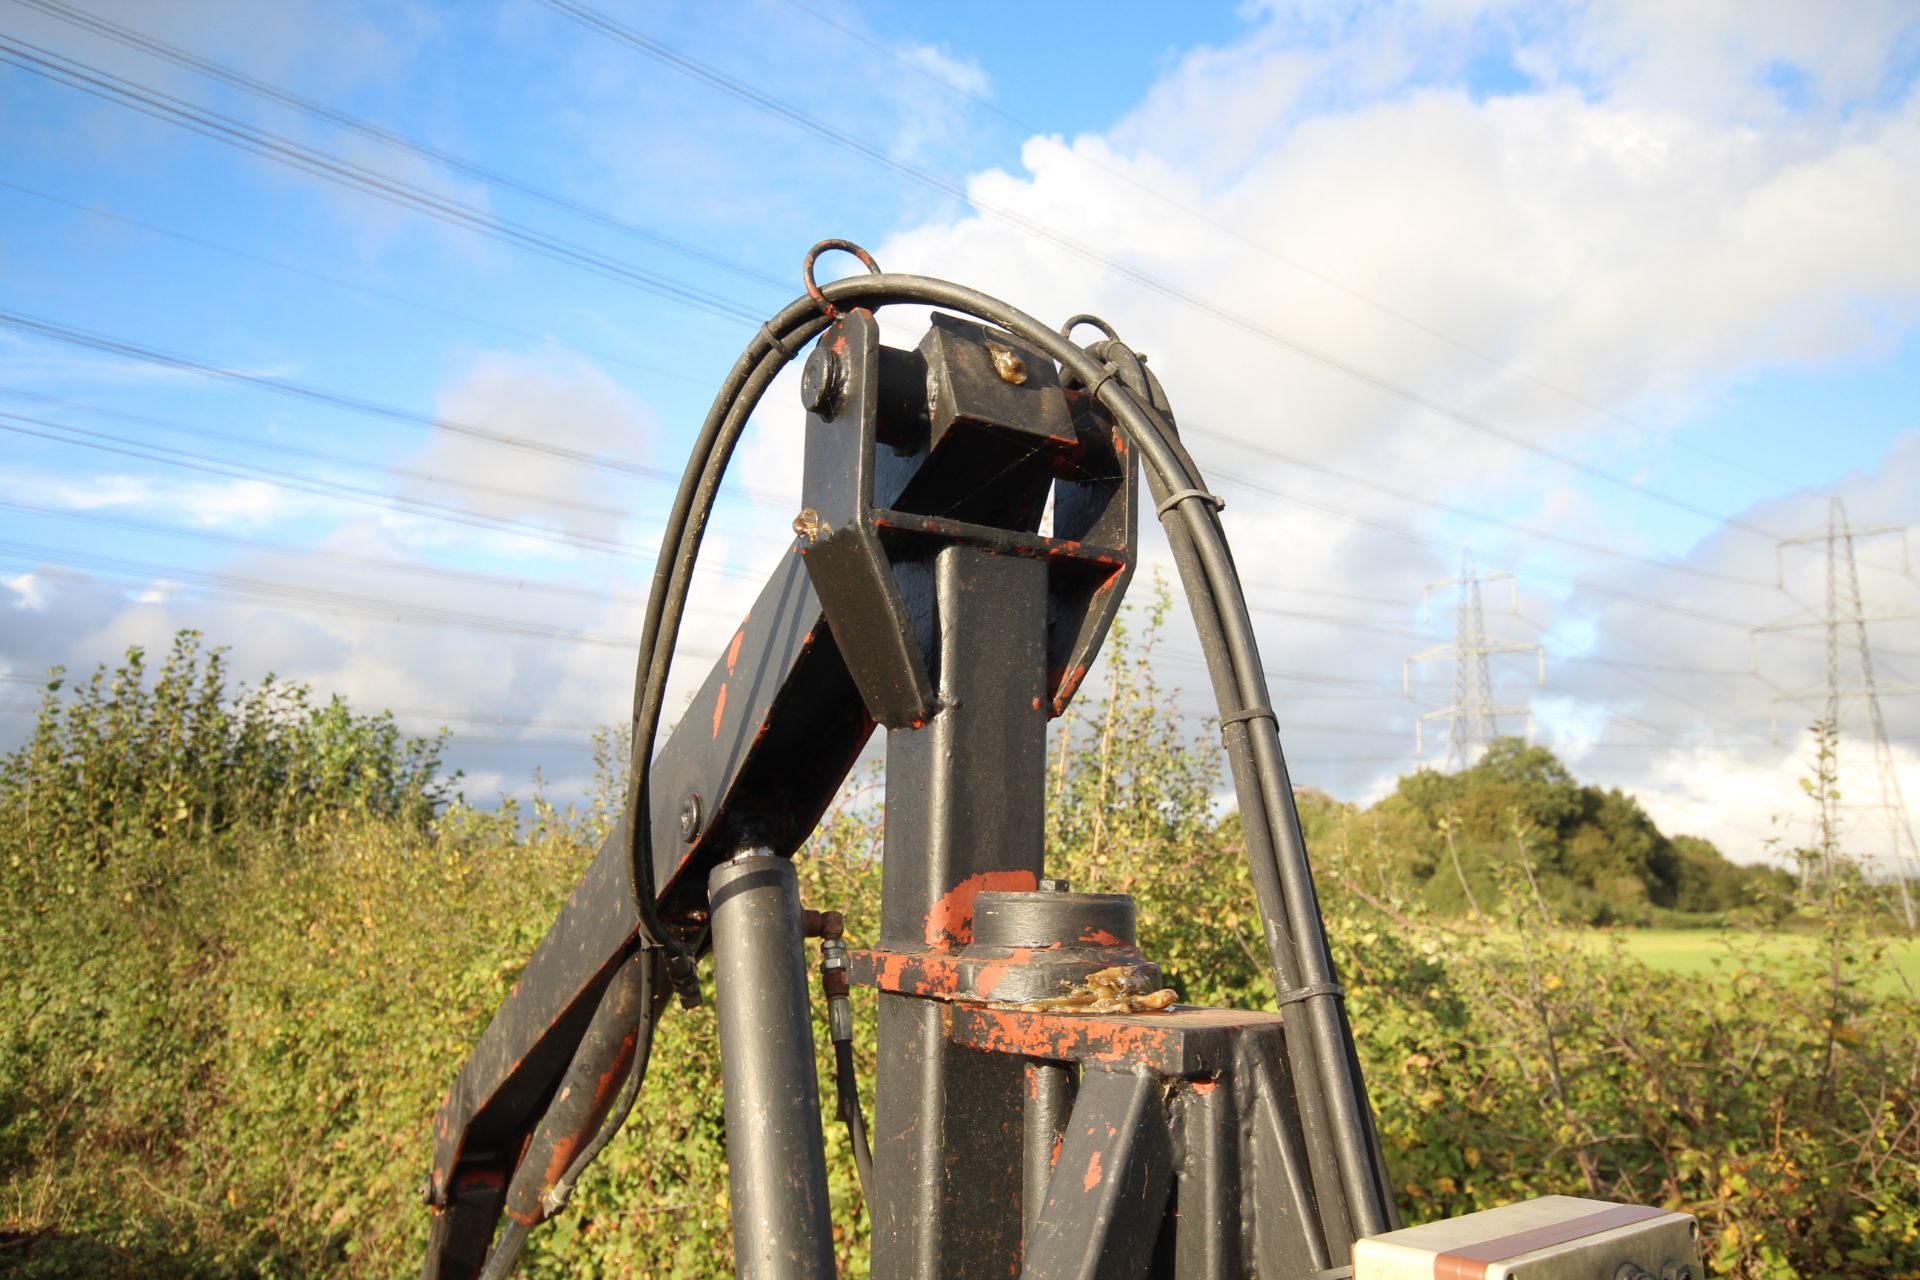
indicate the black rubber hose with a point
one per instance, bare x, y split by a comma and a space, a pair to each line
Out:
847, 1084
1350, 1120
1214, 594
686, 524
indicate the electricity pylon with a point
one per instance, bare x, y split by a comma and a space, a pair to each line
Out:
1473, 717
1844, 620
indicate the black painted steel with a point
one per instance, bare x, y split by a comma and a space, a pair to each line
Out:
1053, 919
947, 1121
923, 594
585, 1097
1050, 1087
776, 726
777, 1173
1105, 1201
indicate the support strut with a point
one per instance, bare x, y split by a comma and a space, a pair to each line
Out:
776, 1164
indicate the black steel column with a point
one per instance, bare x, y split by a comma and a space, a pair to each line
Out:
965, 813
777, 1171
1049, 1101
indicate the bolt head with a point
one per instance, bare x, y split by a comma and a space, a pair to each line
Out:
690, 816
820, 381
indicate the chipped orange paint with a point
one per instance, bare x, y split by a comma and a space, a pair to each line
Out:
567, 1147
1092, 1179
890, 970
950, 922
991, 973
719, 710
1204, 1087
1100, 937
733, 650
1130, 1039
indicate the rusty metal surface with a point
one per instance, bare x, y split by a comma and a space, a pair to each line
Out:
1010, 975
1183, 1042
1030, 1116
1105, 1202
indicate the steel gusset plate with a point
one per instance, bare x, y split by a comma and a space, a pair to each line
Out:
967, 439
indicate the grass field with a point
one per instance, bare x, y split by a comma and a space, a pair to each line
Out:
1705, 952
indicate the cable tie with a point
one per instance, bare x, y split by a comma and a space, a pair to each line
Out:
1309, 991
1112, 371
779, 343
1179, 496
1250, 713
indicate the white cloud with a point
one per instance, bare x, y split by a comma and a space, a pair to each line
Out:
28, 590
1651, 223
247, 505
964, 74
1637, 248
547, 397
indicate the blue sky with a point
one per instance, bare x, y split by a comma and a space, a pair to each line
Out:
1611, 295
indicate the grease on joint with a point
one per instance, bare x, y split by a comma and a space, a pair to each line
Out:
1007, 363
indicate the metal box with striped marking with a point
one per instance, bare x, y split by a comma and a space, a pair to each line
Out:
1549, 1238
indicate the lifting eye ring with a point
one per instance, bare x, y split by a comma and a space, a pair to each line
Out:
806, 269
1074, 322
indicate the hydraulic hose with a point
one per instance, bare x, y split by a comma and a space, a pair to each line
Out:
1295, 935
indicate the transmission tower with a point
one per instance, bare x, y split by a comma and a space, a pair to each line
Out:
1844, 620
1473, 718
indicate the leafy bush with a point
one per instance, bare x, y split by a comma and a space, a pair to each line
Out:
121, 777
235, 1073
1598, 858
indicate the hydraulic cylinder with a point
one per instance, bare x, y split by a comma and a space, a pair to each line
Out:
776, 1162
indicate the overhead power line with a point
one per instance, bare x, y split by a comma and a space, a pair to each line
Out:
1473, 717
308, 598
1237, 481
654, 475
732, 86
338, 282
106, 442
40, 428
505, 583
304, 598
280, 596
46, 64
190, 61
121, 91
1843, 623
1159, 193
1412, 537
67, 334
71, 336
1231, 481
410, 474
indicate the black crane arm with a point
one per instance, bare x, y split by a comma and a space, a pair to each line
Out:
918, 450
758, 756
966, 533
